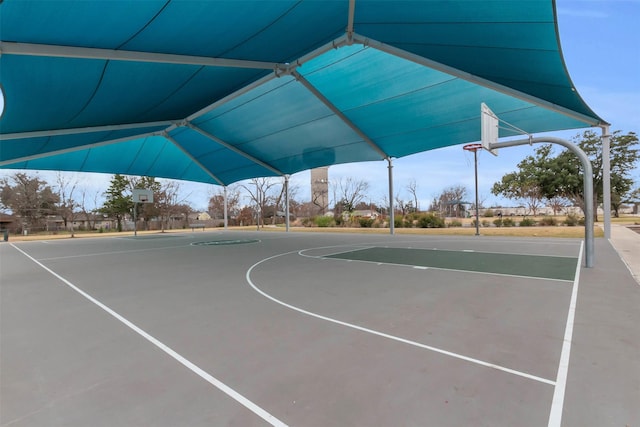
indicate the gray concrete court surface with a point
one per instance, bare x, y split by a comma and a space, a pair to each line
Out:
230, 328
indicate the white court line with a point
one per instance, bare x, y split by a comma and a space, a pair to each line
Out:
382, 334
555, 415
445, 250
324, 257
182, 360
357, 248
114, 252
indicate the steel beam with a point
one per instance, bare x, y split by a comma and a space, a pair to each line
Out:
473, 79
76, 148
55, 51
234, 149
74, 131
338, 113
193, 159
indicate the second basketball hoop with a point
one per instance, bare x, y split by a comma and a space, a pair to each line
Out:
474, 148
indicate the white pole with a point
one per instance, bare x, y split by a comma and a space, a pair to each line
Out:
606, 180
286, 202
135, 219
391, 213
226, 208
475, 158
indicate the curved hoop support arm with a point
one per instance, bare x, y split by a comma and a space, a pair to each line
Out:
588, 184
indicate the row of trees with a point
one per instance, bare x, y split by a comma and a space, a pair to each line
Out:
267, 200
556, 180
34, 200
166, 205
544, 178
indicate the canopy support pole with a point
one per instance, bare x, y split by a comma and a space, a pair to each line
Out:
588, 184
226, 209
391, 209
286, 202
606, 180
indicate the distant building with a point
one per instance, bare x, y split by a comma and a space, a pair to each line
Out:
320, 188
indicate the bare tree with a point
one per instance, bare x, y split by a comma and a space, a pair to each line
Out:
532, 196
319, 200
412, 188
401, 205
89, 215
216, 202
384, 204
279, 202
259, 190
350, 192
558, 203
451, 201
66, 185
169, 203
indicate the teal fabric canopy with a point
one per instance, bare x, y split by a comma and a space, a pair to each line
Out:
221, 91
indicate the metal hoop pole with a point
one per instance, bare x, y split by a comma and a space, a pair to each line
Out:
475, 159
588, 184
475, 148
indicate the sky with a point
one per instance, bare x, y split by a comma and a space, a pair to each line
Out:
601, 47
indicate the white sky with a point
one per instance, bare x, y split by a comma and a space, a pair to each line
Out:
601, 47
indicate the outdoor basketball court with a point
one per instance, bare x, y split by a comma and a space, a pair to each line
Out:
258, 328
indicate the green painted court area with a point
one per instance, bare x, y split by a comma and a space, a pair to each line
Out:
548, 267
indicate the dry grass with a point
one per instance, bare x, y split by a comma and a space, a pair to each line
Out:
568, 232
466, 230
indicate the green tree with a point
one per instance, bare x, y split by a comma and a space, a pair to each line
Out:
532, 183
117, 203
624, 154
558, 178
146, 211
28, 197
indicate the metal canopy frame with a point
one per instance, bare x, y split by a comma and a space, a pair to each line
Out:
279, 70
54, 51
166, 127
234, 149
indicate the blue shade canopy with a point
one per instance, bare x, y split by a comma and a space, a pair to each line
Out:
221, 91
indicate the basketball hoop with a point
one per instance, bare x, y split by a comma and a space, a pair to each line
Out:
472, 147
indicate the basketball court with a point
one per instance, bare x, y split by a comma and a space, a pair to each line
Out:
258, 328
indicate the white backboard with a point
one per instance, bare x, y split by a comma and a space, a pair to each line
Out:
142, 195
489, 128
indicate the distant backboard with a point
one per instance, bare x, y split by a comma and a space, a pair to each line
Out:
142, 195
489, 128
